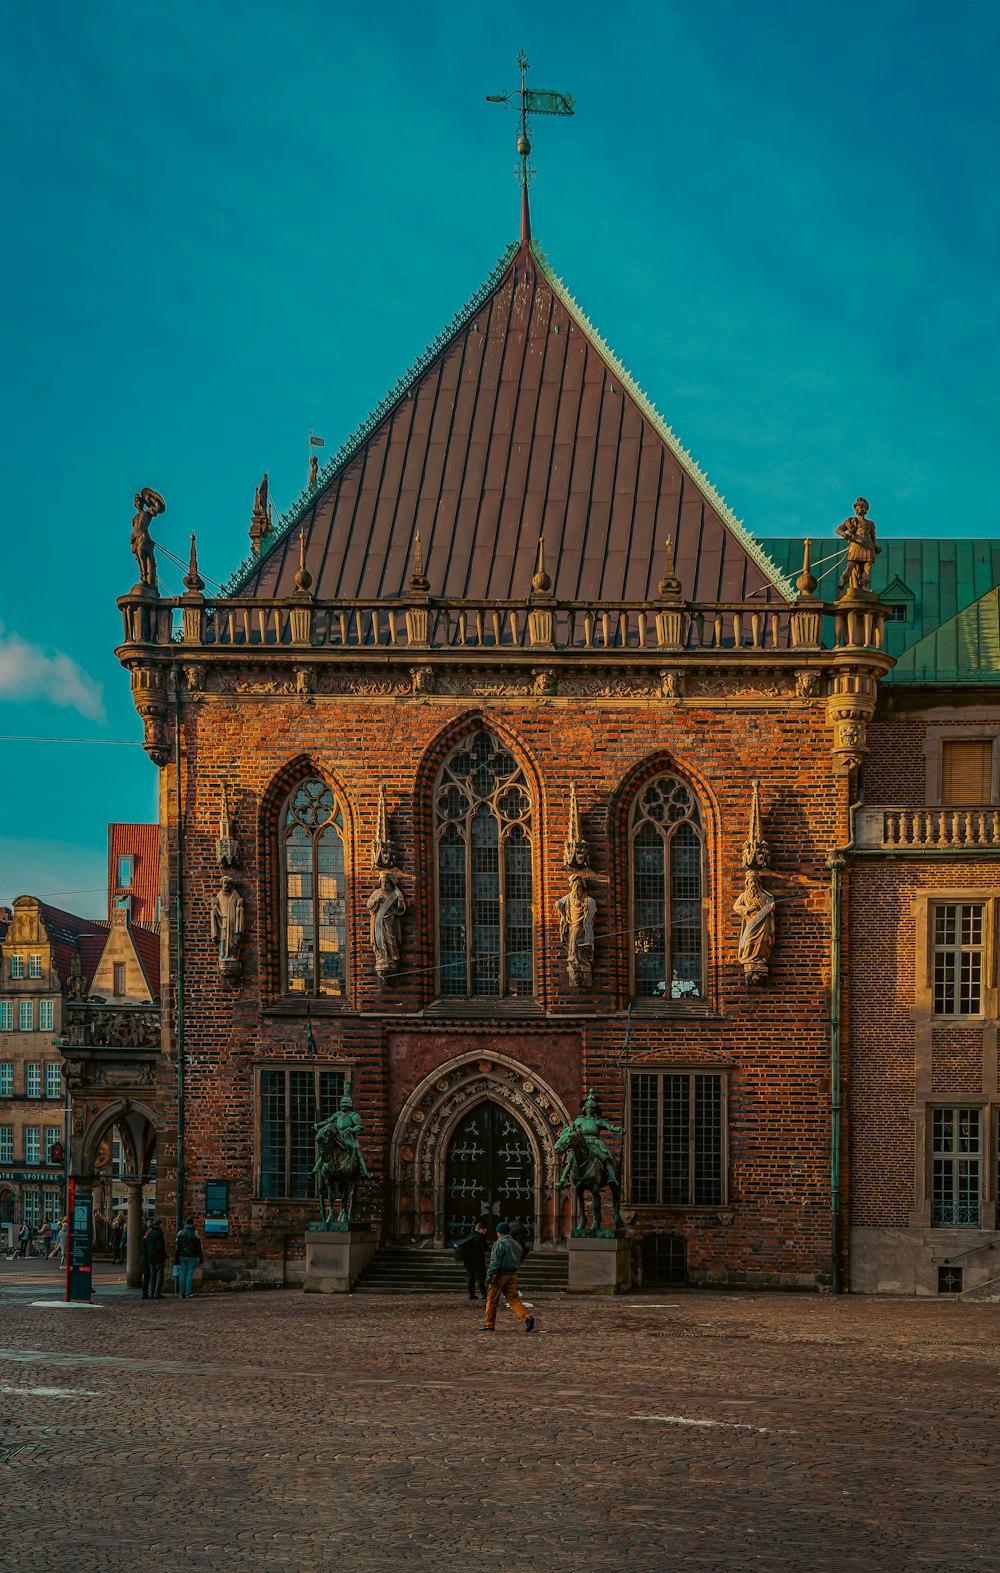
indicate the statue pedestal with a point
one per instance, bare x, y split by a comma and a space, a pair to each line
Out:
600, 1265
336, 1258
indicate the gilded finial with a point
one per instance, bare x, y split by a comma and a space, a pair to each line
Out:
418, 579
806, 582
669, 586
541, 583
303, 579
192, 579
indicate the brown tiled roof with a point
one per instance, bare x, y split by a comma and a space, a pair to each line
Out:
147, 947
519, 423
71, 935
143, 843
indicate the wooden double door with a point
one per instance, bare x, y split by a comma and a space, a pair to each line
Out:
489, 1172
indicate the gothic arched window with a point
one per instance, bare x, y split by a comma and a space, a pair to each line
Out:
482, 833
665, 858
311, 841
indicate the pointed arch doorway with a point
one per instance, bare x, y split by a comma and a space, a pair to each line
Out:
444, 1170
489, 1172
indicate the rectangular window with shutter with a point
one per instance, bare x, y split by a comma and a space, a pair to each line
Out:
966, 772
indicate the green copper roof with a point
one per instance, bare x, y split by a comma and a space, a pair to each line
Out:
944, 589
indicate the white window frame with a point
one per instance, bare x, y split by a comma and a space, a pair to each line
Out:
25, 1015
6, 1078
32, 1144
6, 1015
46, 1015
34, 964
53, 1134
6, 1144
17, 966
53, 1079
33, 1079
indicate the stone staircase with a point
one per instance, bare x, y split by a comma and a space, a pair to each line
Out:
405, 1270
986, 1291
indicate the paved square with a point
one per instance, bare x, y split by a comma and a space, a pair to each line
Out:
699, 1431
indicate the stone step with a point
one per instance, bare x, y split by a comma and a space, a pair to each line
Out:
986, 1291
395, 1270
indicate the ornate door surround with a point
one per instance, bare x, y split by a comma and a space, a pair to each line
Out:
428, 1118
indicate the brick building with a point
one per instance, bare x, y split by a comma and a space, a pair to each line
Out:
463, 672
134, 872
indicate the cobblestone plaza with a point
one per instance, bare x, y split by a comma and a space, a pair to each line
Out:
278, 1430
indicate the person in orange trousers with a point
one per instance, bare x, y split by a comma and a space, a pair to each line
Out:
501, 1279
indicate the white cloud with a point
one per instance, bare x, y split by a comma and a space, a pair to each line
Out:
28, 672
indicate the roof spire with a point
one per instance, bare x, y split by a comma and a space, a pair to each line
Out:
534, 101
418, 579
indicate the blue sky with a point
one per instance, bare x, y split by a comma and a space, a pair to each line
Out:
229, 224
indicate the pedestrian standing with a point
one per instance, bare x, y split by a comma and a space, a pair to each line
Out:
117, 1238
472, 1253
501, 1279
24, 1238
62, 1235
45, 1236
187, 1256
154, 1256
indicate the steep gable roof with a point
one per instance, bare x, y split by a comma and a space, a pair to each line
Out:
517, 422
965, 649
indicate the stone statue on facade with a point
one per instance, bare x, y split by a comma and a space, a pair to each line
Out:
862, 550
755, 906
340, 1166
577, 908
148, 504
386, 906
227, 927
589, 1164
576, 931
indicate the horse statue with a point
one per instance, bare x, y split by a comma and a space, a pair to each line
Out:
339, 1165
590, 1166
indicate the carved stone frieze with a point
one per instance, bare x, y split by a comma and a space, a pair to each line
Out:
672, 683
128, 1026
462, 683
423, 679
808, 684
739, 686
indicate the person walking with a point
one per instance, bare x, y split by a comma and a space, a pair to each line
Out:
501, 1279
187, 1256
154, 1256
62, 1235
472, 1253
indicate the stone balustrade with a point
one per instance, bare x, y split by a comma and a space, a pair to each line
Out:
429, 623
929, 829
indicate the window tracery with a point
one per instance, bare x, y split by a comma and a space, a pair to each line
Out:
314, 891
483, 854
666, 856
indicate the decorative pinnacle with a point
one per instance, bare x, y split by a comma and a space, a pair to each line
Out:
669, 586
541, 583
756, 852
303, 579
537, 101
192, 579
418, 579
806, 582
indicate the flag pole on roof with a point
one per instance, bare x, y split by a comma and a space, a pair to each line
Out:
534, 101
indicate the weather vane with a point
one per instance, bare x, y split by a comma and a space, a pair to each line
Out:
534, 101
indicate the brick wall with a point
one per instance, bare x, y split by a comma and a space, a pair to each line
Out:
773, 1040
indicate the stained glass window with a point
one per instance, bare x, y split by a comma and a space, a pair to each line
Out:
667, 883
315, 907
482, 818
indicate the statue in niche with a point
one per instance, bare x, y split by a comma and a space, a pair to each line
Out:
755, 906
386, 907
577, 910
148, 504
862, 550
227, 927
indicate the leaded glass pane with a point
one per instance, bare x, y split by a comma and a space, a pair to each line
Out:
707, 1141
315, 886
644, 1121
485, 912
485, 838
685, 912
272, 1133
302, 1122
451, 908
676, 1137
649, 886
517, 911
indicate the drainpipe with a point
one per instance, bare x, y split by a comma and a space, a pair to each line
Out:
837, 862
179, 948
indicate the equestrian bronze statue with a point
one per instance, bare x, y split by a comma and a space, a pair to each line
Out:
339, 1166
590, 1166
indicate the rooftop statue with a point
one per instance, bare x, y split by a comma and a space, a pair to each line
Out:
859, 533
147, 505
